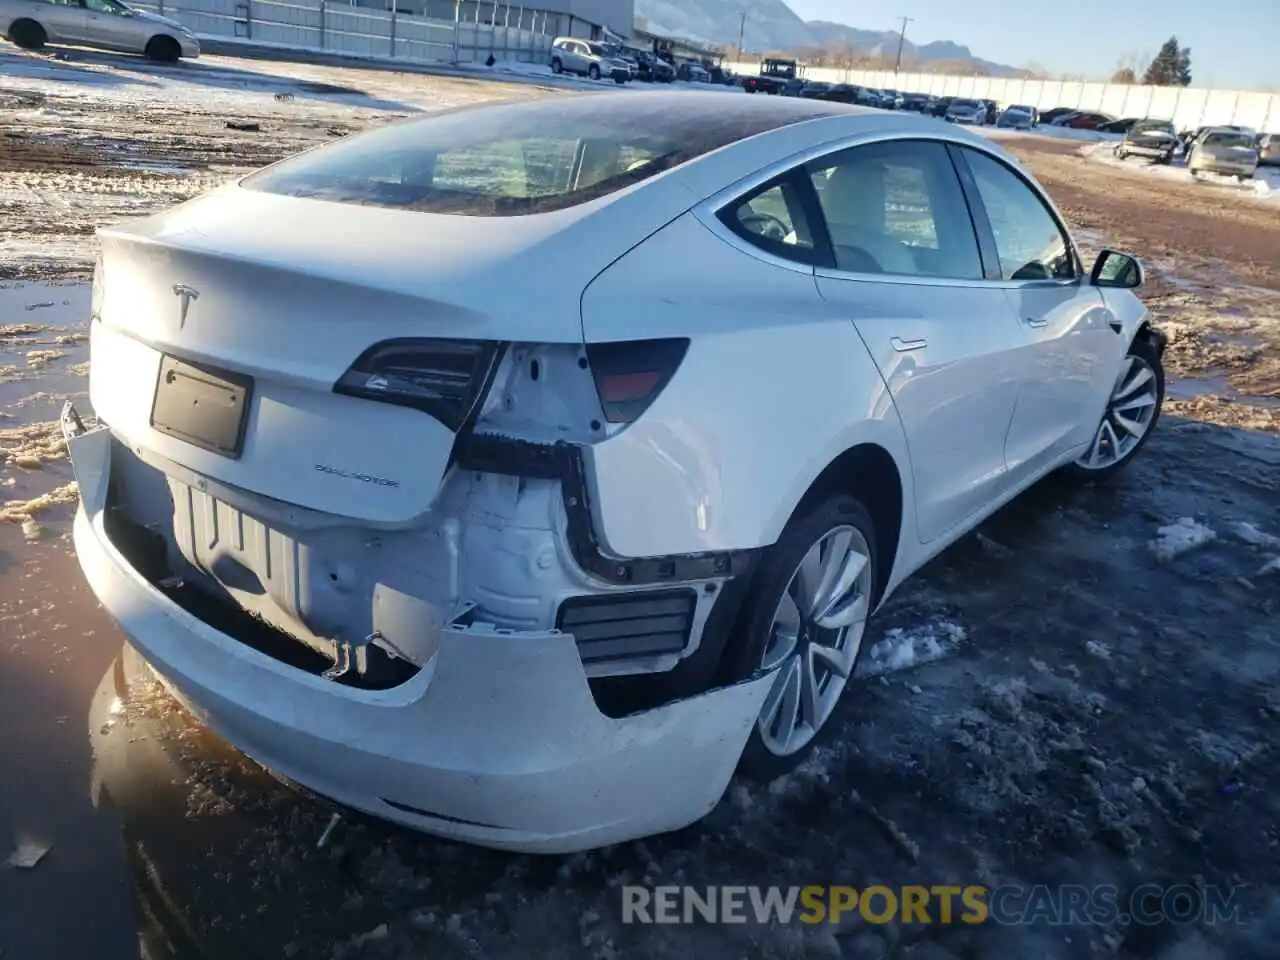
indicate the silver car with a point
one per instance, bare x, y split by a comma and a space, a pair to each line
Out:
966, 111
108, 24
587, 58
1229, 152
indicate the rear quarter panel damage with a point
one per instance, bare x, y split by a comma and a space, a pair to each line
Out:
774, 387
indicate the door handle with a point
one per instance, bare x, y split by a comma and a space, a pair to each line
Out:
1037, 321
902, 346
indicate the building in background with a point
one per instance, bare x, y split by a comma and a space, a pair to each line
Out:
588, 19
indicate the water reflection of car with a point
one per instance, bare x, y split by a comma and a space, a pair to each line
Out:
966, 111
587, 58
106, 24
1228, 152
1156, 140
1018, 118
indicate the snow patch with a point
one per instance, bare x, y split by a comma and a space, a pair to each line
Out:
905, 647
1251, 534
1179, 537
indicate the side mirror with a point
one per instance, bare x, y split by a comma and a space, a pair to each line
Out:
1116, 269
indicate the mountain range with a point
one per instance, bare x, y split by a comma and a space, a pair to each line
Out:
772, 26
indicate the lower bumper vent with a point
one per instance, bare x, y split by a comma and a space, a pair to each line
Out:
644, 624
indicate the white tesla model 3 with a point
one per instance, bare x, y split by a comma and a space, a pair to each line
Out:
518, 472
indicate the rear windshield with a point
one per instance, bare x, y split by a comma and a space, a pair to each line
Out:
1152, 126
1229, 139
529, 157
965, 104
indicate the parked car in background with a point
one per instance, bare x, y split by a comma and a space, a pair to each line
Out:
532, 571
1118, 126
104, 24
845, 93
587, 58
1084, 121
1018, 118
1225, 151
892, 99
963, 110
917, 102
815, 90
940, 105
1155, 140
1268, 149
1052, 116
653, 69
691, 72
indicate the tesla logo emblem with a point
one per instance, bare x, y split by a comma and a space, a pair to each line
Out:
185, 296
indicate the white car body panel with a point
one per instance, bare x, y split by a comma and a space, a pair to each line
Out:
717, 462
461, 568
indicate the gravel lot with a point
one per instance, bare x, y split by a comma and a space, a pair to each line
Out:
1068, 696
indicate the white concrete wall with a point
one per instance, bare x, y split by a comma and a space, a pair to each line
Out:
1186, 106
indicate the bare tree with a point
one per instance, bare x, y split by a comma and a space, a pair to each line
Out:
1124, 75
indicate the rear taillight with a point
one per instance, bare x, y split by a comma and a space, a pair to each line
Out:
445, 378
629, 375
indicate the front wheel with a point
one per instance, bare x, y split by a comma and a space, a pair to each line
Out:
1132, 411
28, 35
163, 50
593, 72
805, 621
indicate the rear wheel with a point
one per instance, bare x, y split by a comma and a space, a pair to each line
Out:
557, 66
1132, 411
593, 72
163, 49
804, 620
28, 35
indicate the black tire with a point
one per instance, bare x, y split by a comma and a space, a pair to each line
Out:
163, 49
771, 580
593, 72
1144, 350
620, 80
1122, 154
27, 34
556, 65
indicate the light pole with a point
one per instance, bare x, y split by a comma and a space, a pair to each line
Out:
902, 38
742, 29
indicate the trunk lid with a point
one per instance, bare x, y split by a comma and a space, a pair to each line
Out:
247, 300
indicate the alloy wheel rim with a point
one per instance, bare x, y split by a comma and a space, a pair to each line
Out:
814, 638
1130, 410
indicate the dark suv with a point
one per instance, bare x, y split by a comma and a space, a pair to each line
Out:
1153, 139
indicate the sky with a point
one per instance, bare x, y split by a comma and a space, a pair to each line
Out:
1234, 43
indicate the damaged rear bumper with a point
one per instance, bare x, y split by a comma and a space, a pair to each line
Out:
496, 741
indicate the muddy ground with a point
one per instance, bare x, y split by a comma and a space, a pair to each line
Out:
1091, 701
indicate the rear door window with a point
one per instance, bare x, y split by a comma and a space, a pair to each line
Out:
897, 208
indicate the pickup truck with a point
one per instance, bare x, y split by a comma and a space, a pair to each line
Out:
776, 77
